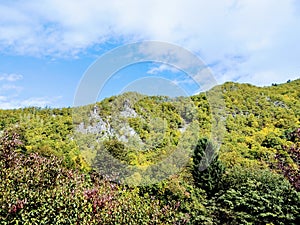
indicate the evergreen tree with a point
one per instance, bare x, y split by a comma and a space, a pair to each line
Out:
207, 169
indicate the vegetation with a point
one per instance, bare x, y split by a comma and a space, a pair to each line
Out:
165, 164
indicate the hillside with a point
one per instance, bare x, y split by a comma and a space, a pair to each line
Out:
135, 159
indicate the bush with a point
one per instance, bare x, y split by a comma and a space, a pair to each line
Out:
39, 190
256, 197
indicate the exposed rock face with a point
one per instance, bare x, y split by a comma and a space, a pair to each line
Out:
277, 103
127, 132
103, 128
127, 111
98, 127
280, 104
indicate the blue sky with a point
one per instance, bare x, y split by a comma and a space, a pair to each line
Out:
46, 46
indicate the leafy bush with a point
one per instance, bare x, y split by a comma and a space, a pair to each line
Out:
42, 178
255, 197
39, 190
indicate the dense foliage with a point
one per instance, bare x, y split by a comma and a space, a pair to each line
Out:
39, 190
51, 160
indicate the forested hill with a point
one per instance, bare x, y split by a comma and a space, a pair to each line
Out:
54, 161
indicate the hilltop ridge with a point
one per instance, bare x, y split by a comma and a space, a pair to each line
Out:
133, 158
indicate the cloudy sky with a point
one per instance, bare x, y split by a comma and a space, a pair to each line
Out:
46, 46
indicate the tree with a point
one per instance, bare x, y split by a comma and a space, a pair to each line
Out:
255, 196
206, 158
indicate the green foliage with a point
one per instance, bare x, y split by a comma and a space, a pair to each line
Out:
272, 141
288, 159
46, 179
46, 131
115, 148
207, 169
39, 190
255, 197
191, 201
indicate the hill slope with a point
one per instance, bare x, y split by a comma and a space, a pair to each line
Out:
249, 136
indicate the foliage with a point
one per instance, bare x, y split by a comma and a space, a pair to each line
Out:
255, 197
39, 190
207, 169
288, 161
45, 178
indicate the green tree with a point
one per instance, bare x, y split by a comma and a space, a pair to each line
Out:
207, 169
250, 196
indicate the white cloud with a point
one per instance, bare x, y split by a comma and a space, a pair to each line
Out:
262, 32
11, 98
3, 98
162, 68
10, 87
10, 77
38, 101
13, 102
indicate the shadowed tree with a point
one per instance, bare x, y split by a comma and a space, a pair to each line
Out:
207, 169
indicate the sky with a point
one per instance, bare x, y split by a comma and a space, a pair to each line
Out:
47, 46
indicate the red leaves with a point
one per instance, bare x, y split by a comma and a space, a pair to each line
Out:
18, 206
98, 201
10, 141
292, 174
